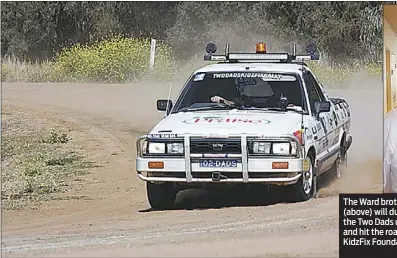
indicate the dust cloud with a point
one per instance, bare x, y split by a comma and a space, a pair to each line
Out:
364, 171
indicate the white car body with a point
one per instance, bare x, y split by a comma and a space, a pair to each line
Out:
323, 136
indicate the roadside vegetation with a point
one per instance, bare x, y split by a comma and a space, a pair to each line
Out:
38, 163
109, 42
103, 63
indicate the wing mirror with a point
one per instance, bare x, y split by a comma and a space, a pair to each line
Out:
321, 107
164, 105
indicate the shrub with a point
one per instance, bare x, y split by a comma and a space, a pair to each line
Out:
117, 59
13, 70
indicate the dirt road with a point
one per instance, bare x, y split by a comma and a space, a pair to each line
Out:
114, 221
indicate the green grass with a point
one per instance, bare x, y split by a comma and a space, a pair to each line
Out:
37, 163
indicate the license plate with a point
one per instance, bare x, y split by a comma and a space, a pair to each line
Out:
213, 163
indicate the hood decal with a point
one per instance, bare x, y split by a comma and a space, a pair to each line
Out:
229, 123
223, 120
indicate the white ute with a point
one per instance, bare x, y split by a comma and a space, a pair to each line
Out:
251, 118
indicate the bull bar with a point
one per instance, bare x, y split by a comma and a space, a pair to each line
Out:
259, 165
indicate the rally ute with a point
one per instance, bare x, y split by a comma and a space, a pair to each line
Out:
248, 118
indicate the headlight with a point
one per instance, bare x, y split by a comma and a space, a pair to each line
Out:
175, 148
261, 147
294, 148
144, 147
281, 148
156, 148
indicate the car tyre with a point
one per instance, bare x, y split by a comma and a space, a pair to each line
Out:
340, 164
161, 196
304, 188
337, 168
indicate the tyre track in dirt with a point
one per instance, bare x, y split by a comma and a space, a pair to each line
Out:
112, 116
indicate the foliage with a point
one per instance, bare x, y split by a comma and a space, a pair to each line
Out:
118, 59
342, 30
37, 31
79, 37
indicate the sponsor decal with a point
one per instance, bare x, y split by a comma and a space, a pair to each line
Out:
224, 120
263, 76
308, 134
325, 142
348, 112
324, 124
314, 130
335, 116
162, 136
215, 135
318, 127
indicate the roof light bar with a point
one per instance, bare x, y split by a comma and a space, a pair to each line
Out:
261, 54
277, 56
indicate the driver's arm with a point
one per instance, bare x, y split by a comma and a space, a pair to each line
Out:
218, 99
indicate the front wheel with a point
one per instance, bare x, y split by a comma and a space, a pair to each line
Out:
303, 189
161, 196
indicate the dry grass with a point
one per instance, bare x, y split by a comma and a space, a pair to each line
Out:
333, 74
37, 162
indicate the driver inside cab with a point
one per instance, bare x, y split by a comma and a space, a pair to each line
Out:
249, 89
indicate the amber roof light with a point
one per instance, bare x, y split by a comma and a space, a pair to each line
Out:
261, 47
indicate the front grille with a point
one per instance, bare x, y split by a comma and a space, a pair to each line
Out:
214, 146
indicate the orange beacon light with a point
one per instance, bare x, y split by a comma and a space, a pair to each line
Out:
260, 48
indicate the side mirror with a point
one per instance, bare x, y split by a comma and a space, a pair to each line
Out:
164, 105
321, 107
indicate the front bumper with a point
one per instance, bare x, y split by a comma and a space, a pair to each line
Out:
248, 170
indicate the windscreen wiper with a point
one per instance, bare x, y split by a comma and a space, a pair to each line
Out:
211, 107
284, 110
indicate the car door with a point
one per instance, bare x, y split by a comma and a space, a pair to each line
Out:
319, 125
332, 124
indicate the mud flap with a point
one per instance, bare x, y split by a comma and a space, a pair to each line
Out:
315, 181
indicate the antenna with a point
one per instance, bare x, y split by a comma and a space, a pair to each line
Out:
302, 102
227, 49
169, 97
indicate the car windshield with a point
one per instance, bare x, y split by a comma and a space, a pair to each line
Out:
240, 90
